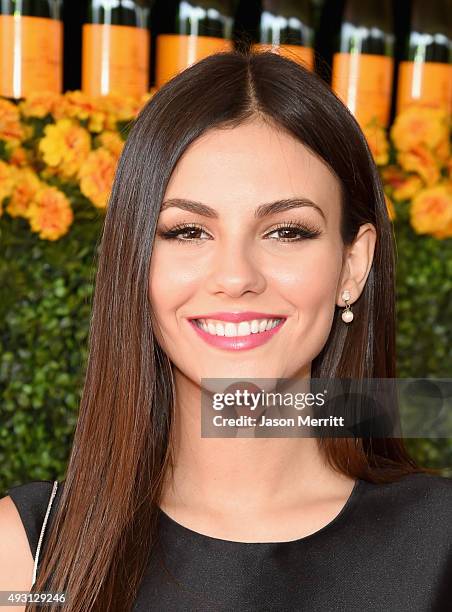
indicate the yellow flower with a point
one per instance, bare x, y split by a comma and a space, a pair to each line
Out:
112, 141
400, 185
77, 105
420, 159
442, 152
118, 108
431, 211
18, 157
26, 186
390, 208
40, 103
378, 143
6, 182
10, 127
65, 146
408, 189
418, 125
50, 214
96, 176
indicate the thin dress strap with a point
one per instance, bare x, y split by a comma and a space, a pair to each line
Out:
43, 528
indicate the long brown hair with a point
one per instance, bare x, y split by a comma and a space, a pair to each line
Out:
106, 522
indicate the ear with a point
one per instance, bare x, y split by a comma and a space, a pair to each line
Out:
357, 263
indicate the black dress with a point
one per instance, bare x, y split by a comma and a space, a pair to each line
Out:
388, 550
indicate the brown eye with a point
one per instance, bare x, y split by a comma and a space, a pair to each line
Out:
294, 232
190, 231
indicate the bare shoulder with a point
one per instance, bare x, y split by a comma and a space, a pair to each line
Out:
16, 560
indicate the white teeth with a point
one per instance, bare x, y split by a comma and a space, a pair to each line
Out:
244, 328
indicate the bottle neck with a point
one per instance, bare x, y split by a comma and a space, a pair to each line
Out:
286, 22
366, 29
51, 9
108, 12
429, 39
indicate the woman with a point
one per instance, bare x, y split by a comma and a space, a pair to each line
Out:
245, 191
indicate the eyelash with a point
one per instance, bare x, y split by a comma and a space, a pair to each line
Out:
304, 231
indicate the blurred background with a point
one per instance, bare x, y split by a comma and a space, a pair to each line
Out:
73, 75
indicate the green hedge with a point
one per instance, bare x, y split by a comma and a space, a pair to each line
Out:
44, 319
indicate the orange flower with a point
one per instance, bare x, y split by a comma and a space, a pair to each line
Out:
401, 186
50, 214
118, 108
26, 186
420, 159
431, 211
10, 127
112, 141
442, 152
96, 176
378, 143
409, 189
418, 125
6, 182
65, 146
40, 103
446, 232
18, 157
77, 105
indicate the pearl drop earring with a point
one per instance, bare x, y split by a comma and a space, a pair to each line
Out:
347, 314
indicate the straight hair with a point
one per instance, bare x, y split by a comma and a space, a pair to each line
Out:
105, 527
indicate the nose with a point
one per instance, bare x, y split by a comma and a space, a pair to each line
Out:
235, 269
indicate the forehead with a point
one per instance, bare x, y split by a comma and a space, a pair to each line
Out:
250, 164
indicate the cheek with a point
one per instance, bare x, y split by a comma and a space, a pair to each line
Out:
310, 280
170, 284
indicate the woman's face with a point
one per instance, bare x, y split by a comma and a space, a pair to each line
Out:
234, 260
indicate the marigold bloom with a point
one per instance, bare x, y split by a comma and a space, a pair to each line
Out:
26, 186
77, 105
65, 146
402, 186
40, 103
419, 125
18, 157
112, 141
431, 211
50, 214
118, 108
378, 143
96, 176
6, 182
421, 160
10, 127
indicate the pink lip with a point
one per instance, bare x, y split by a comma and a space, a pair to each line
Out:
236, 317
237, 343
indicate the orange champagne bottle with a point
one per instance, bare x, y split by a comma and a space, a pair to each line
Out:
287, 27
116, 48
190, 31
31, 47
425, 73
363, 63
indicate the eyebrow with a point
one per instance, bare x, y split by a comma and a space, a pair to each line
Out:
263, 210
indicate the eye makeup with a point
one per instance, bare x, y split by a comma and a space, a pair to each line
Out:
301, 231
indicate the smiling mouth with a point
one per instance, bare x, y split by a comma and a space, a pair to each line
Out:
232, 330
